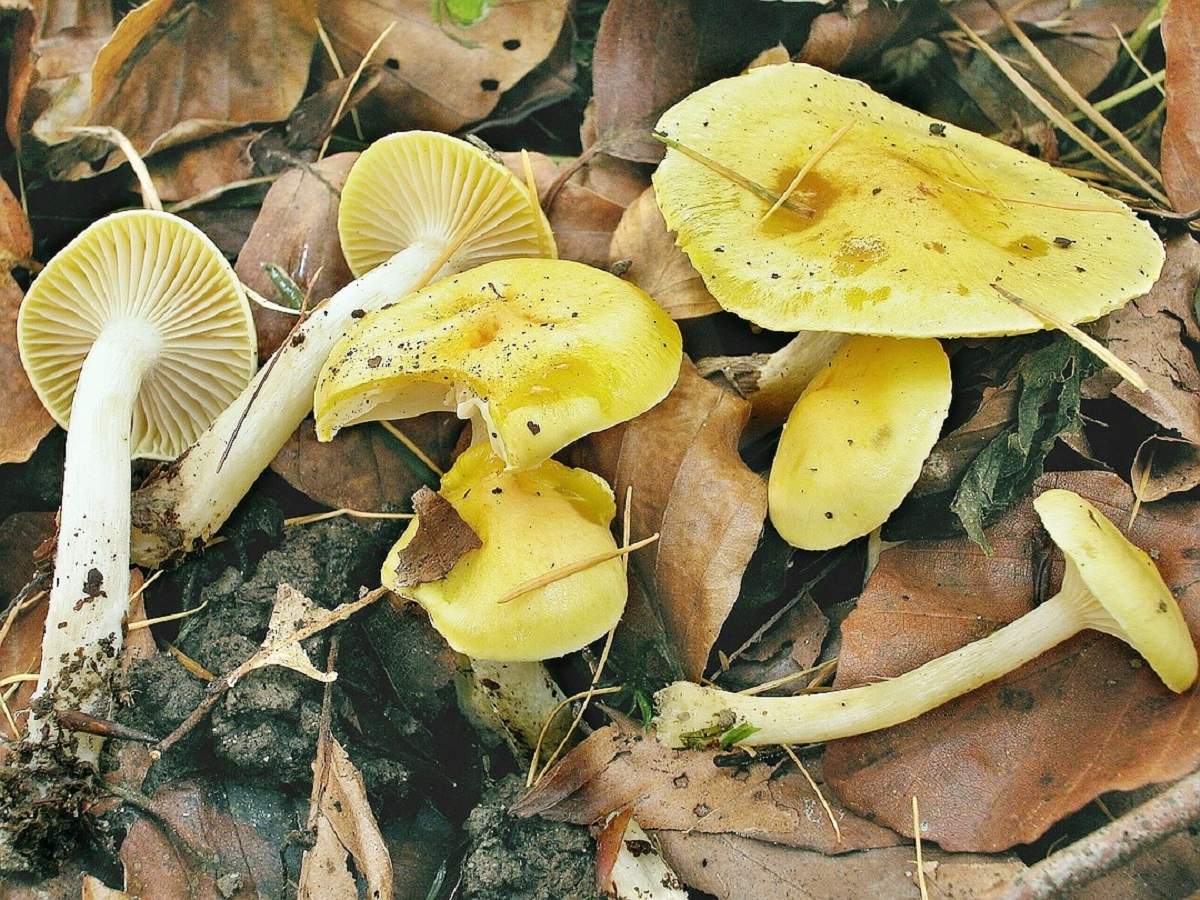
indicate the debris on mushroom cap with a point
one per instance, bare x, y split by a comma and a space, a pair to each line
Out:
153, 265
1124, 580
424, 186
855, 441
530, 523
537, 352
909, 227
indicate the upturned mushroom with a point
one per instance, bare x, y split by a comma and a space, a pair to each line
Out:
1109, 585
536, 353
135, 336
854, 443
416, 204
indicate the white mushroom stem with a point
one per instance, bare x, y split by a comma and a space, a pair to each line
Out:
191, 499
89, 597
773, 382
684, 707
513, 700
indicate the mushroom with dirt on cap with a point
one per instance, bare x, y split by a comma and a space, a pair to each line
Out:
415, 204
1109, 585
536, 353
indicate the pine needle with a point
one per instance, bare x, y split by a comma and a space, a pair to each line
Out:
412, 446
808, 166
920, 858
574, 568
341, 107
173, 617
837, 829
344, 511
337, 67
150, 199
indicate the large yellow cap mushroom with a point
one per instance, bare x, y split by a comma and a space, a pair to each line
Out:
855, 441
537, 352
530, 523
912, 221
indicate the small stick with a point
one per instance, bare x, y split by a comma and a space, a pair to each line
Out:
815, 158
74, 720
740, 180
1104, 850
337, 67
573, 568
146, 623
344, 511
149, 192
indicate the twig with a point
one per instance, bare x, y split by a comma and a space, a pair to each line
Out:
343, 511
412, 446
837, 829
341, 107
573, 568
1109, 847
74, 720
337, 67
149, 192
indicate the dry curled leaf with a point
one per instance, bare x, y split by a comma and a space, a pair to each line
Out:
292, 612
733, 868
1000, 765
441, 75
442, 538
1181, 132
655, 264
639, 871
187, 171
646, 59
227, 63
682, 790
783, 647
23, 419
690, 485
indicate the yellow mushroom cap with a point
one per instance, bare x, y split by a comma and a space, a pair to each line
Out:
530, 523
913, 220
855, 441
161, 269
1122, 578
418, 186
538, 352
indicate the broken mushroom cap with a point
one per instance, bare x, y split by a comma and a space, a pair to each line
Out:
164, 274
855, 441
538, 353
1131, 600
530, 523
422, 186
912, 221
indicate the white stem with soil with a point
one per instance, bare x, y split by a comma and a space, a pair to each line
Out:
89, 598
513, 700
684, 707
185, 505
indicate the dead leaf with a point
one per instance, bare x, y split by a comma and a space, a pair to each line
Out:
20, 654
843, 40
655, 264
1096, 18
344, 823
20, 66
187, 171
367, 468
550, 82
23, 419
787, 645
442, 76
616, 179
583, 221
292, 612
1181, 133
20, 535
441, 540
237, 862
1155, 334
609, 843
707, 505
646, 59
1000, 765
1174, 467
733, 868
682, 790
229, 64
296, 229
772, 56
639, 871
95, 889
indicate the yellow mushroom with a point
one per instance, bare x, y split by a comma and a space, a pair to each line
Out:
1109, 585
530, 523
536, 352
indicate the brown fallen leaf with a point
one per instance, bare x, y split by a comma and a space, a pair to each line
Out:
582, 220
296, 229
292, 612
1173, 463
95, 889
441, 76
551, 81
23, 419
442, 538
682, 790
690, 485
616, 179
21, 22
733, 868
367, 468
189, 170
646, 59
655, 264
20, 654
843, 40
639, 871
237, 862
786, 645
20, 535
230, 65
345, 823
1096, 18
1155, 334
1000, 765
1181, 133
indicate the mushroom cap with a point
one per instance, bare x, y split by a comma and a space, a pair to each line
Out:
423, 186
913, 219
1123, 579
530, 523
855, 441
160, 268
539, 352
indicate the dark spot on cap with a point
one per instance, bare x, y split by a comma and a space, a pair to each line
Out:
497, 490
374, 361
534, 427
357, 313
937, 129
